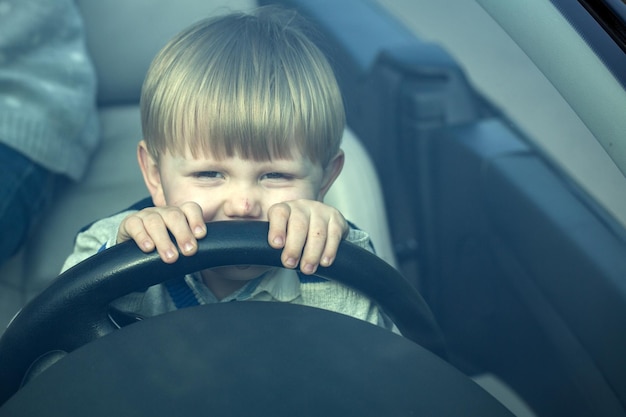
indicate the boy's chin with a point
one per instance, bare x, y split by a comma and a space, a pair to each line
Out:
241, 273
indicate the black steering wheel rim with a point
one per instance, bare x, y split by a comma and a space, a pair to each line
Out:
73, 310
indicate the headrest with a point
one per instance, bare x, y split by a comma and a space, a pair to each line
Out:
124, 36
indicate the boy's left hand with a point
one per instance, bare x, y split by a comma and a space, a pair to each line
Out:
309, 232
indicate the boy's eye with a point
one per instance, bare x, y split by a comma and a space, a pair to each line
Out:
207, 174
276, 176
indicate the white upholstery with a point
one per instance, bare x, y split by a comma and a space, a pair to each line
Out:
123, 37
113, 181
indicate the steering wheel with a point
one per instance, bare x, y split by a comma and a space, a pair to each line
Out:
73, 310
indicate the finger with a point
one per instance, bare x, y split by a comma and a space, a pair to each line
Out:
297, 232
155, 225
278, 217
132, 227
188, 232
337, 230
315, 245
177, 223
195, 219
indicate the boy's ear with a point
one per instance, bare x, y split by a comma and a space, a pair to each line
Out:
151, 175
331, 172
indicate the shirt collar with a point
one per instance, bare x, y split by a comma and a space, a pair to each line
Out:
278, 284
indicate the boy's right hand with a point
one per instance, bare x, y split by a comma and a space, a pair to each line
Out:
150, 228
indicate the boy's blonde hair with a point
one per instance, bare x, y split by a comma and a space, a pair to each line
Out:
254, 85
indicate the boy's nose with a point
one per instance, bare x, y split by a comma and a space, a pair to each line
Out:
245, 206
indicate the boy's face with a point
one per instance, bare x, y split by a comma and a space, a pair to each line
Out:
236, 189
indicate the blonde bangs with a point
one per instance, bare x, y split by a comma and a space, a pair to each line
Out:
246, 86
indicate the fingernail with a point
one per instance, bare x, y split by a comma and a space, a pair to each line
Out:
326, 261
169, 254
278, 240
308, 269
291, 263
198, 231
188, 247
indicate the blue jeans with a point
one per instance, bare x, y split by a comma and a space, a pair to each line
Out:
26, 190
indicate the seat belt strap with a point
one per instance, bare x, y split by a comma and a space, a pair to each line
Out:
181, 294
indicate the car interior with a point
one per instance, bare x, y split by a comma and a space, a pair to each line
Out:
122, 50
522, 270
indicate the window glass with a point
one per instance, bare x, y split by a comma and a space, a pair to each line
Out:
498, 68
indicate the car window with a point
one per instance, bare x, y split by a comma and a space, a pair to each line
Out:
618, 7
611, 15
501, 70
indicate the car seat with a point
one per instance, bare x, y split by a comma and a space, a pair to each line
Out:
122, 39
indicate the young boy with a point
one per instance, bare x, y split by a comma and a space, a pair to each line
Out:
242, 119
